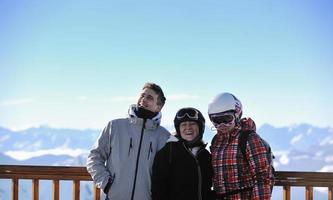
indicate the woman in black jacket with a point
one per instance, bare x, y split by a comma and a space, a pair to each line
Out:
182, 168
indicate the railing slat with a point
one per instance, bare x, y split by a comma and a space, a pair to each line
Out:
76, 189
35, 189
308, 193
97, 193
55, 189
286, 192
15, 187
330, 193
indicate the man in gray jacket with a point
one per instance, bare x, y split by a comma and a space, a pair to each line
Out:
121, 160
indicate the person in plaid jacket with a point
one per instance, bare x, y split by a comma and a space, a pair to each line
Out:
238, 176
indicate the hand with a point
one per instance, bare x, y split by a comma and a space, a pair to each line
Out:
107, 187
248, 124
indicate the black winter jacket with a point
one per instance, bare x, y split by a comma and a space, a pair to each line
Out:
178, 174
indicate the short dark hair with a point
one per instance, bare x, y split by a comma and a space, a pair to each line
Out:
161, 98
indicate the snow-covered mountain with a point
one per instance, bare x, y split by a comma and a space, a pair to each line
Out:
297, 145
294, 147
44, 137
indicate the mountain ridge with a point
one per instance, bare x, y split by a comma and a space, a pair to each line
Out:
293, 146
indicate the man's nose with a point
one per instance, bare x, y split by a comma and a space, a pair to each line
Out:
143, 99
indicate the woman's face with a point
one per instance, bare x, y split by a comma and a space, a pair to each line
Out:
189, 130
226, 128
224, 122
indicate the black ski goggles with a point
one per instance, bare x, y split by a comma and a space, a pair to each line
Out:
189, 113
222, 118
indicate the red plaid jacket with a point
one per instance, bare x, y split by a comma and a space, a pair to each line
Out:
253, 178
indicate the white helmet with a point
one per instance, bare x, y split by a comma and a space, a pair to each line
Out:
225, 102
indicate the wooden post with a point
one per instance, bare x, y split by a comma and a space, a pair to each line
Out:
286, 192
330, 193
97, 193
76, 189
308, 193
35, 189
55, 189
15, 186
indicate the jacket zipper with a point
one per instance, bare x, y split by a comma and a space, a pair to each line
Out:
150, 149
137, 159
200, 180
199, 171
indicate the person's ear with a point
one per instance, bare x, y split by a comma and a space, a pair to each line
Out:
159, 107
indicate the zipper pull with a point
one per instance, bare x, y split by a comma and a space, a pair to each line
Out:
130, 147
150, 149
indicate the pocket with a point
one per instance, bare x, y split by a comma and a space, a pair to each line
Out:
113, 178
150, 150
113, 184
130, 146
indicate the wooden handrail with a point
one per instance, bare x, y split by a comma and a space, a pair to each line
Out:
286, 179
54, 173
316, 179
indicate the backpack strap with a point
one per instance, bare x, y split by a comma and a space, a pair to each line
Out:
213, 140
242, 140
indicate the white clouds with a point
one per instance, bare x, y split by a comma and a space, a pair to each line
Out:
24, 155
282, 157
284, 160
23, 126
327, 168
15, 102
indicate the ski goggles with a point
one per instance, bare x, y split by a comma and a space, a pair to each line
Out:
225, 118
189, 113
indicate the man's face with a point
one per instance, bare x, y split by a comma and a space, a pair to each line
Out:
148, 100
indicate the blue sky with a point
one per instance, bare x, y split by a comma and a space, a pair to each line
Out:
78, 64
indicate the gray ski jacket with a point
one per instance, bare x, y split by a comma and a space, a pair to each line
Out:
124, 153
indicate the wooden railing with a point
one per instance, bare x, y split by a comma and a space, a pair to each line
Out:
304, 179
77, 174
54, 173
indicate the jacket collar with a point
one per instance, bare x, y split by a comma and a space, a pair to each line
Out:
173, 138
228, 135
150, 123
